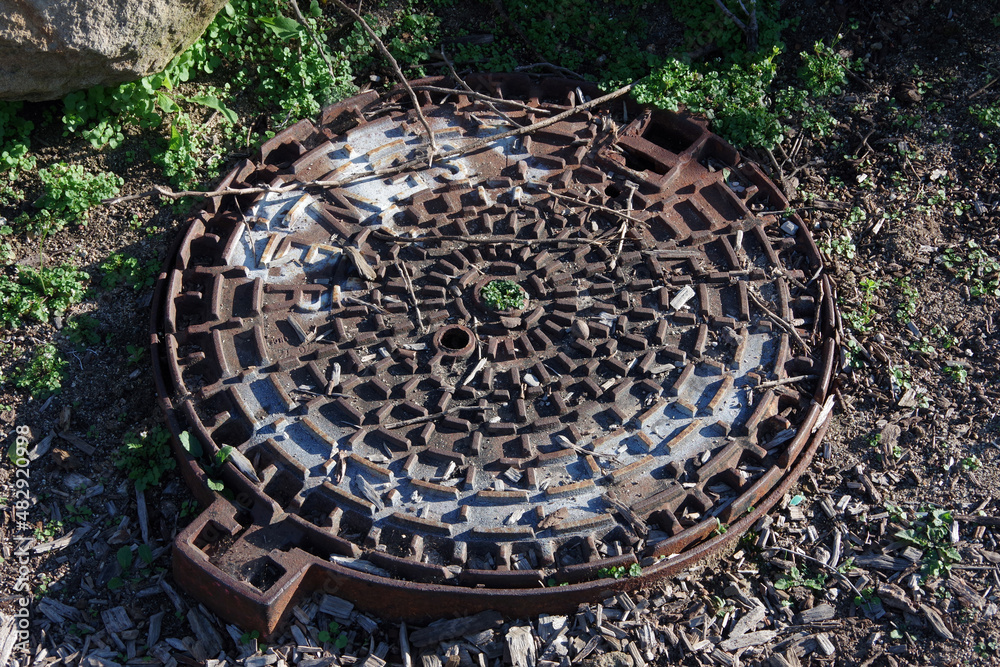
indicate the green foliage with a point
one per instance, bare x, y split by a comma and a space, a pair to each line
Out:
824, 71
974, 266
594, 38
957, 372
82, 331
78, 514
620, 571
273, 55
43, 376
126, 561
797, 578
988, 117
14, 158
333, 630
735, 96
839, 246
931, 532
503, 295
70, 192
122, 269
907, 307
40, 294
146, 456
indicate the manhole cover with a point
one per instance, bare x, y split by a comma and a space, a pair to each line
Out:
554, 366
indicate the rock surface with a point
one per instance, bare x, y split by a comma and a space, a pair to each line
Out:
52, 47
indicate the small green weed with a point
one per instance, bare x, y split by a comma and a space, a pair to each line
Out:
71, 191
188, 508
44, 374
39, 294
503, 295
910, 295
957, 372
923, 346
83, 331
971, 463
931, 531
839, 246
620, 571
333, 630
973, 266
824, 71
121, 269
988, 117
146, 456
797, 578
48, 530
126, 561
135, 354
79, 514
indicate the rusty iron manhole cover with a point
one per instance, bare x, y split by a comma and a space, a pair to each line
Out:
492, 383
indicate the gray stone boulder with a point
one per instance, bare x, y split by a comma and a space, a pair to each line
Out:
52, 47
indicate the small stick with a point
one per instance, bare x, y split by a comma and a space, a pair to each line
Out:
984, 88
315, 39
554, 68
399, 75
597, 207
474, 240
621, 239
405, 273
166, 192
436, 415
785, 324
485, 98
472, 93
790, 380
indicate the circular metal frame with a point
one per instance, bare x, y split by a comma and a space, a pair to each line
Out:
373, 459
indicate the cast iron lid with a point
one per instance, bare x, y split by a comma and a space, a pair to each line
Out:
560, 358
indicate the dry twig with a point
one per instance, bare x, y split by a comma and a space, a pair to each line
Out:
475, 240
436, 415
166, 192
408, 281
315, 39
785, 324
486, 99
432, 145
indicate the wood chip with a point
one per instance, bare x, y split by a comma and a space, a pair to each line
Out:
336, 607
521, 646
116, 620
934, 618
821, 612
140, 503
747, 640
964, 592
748, 621
404, 646
895, 597
8, 637
67, 540
587, 649
450, 629
205, 632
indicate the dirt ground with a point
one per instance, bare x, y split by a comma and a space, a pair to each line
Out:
908, 174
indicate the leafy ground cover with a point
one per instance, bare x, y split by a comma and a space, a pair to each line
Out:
882, 125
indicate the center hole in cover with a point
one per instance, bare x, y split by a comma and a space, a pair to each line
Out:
455, 339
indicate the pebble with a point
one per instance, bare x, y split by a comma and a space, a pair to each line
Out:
581, 329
